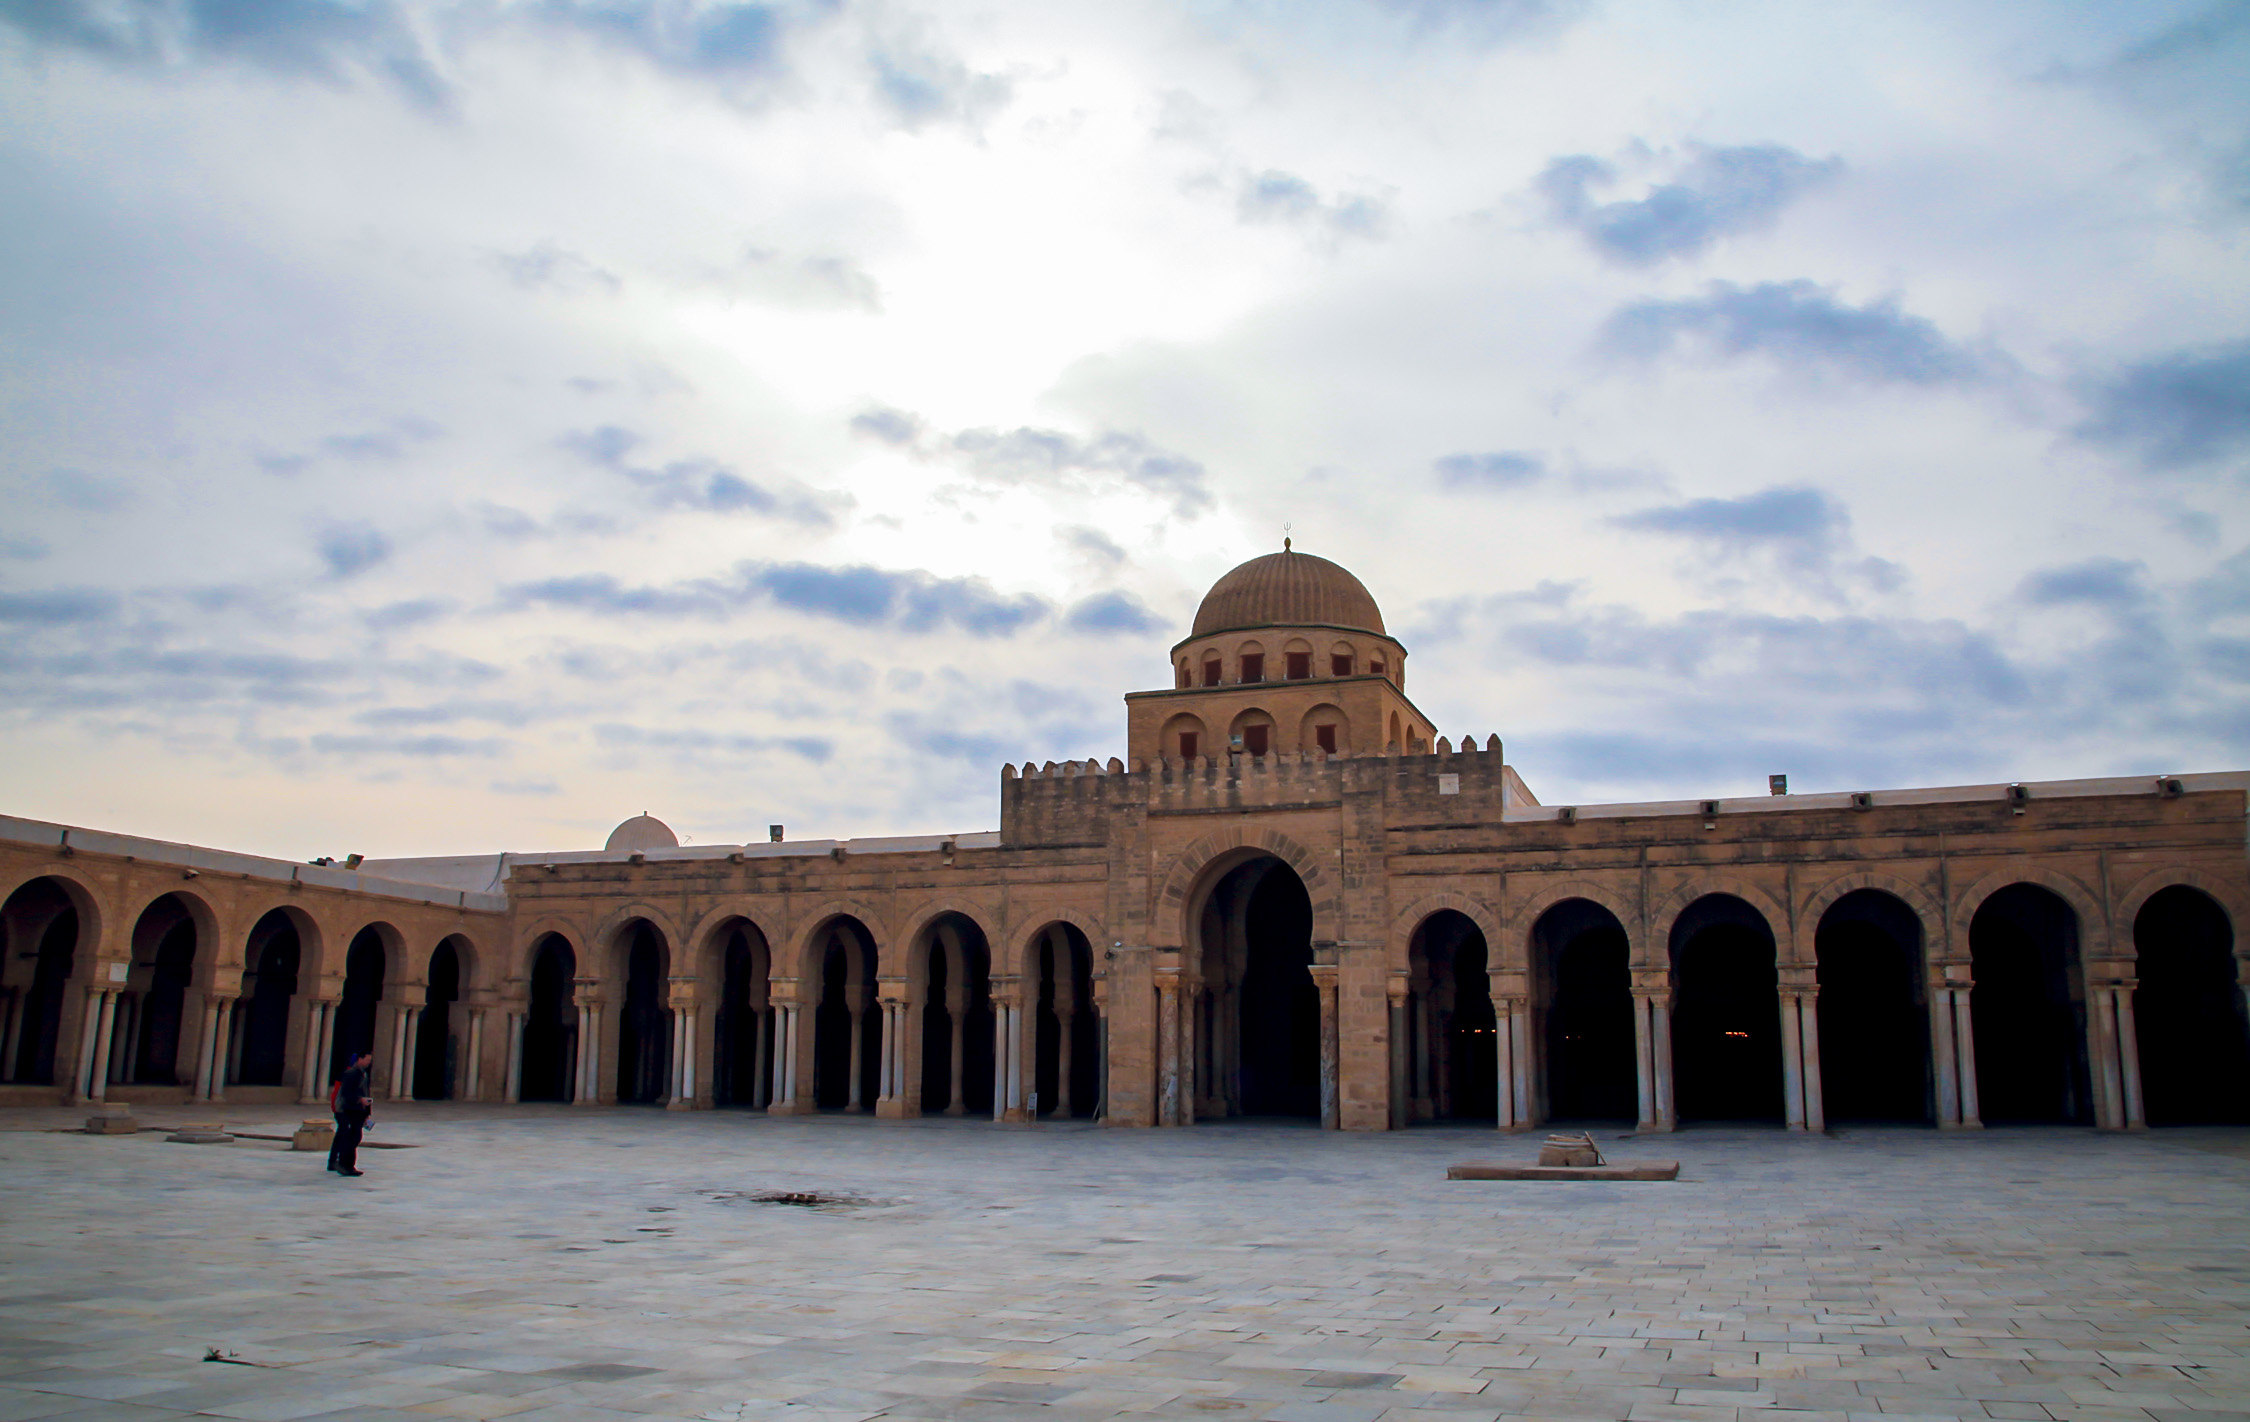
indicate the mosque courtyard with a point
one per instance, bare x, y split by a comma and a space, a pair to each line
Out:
558, 1263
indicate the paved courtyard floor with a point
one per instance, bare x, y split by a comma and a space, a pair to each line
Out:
551, 1264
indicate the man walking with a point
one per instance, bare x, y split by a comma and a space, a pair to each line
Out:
355, 1102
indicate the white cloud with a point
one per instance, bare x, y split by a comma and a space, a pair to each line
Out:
944, 358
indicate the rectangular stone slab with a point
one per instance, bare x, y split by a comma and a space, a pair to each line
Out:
1644, 1170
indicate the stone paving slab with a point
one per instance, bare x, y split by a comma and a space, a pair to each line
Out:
607, 1265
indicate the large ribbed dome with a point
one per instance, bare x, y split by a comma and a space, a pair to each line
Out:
1287, 589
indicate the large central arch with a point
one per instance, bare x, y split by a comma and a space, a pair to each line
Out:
1256, 1013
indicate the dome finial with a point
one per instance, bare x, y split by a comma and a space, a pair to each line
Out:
1285, 545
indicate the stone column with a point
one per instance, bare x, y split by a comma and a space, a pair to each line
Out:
589, 1091
105, 1024
123, 1015
1808, 1032
1000, 1036
674, 1060
886, 1071
90, 1013
1425, 1043
1167, 1047
761, 1072
402, 1052
472, 1075
1792, 1066
2129, 1054
1944, 1062
790, 1017
313, 1059
10, 1001
687, 1057
1396, 993
1331, 1051
957, 1023
856, 1071
512, 1088
1065, 1018
1021, 1047
1652, 1045
206, 1049
1965, 1049
1644, 1061
777, 1072
1511, 1020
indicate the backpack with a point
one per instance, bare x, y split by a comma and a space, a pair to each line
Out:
334, 1089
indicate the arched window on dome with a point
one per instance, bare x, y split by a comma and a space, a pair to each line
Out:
1341, 659
1251, 658
1183, 679
1296, 660
1212, 669
1393, 742
1376, 666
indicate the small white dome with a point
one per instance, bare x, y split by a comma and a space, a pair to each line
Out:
643, 831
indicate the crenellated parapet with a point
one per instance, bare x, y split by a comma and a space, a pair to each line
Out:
1070, 802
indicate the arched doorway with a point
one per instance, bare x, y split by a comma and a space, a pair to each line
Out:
274, 953
1582, 982
40, 926
1452, 1058
435, 1065
955, 962
845, 1053
1873, 1010
1257, 1029
2188, 1012
2027, 1009
550, 1026
1064, 1055
741, 1046
1726, 1013
164, 944
644, 1027
356, 1010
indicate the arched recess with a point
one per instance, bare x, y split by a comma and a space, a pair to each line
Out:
1184, 737
1253, 1014
1059, 981
1664, 923
1408, 921
2188, 1011
1928, 912
50, 927
153, 1035
949, 984
281, 958
2230, 897
1451, 1029
1187, 883
1582, 1001
802, 960
2028, 1007
2090, 935
437, 1045
644, 1018
374, 961
1325, 728
1726, 1011
550, 1026
1873, 1010
742, 1021
846, 1048
1252, 732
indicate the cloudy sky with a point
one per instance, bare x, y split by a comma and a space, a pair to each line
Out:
438, 426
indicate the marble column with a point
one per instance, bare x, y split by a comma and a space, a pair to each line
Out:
313, 1063
858, 1060
1792, 1066
1808, 1034
1000, 1036
402, 1046
761, 1072
687, 1057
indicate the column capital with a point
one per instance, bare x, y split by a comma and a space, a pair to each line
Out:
1324, 976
